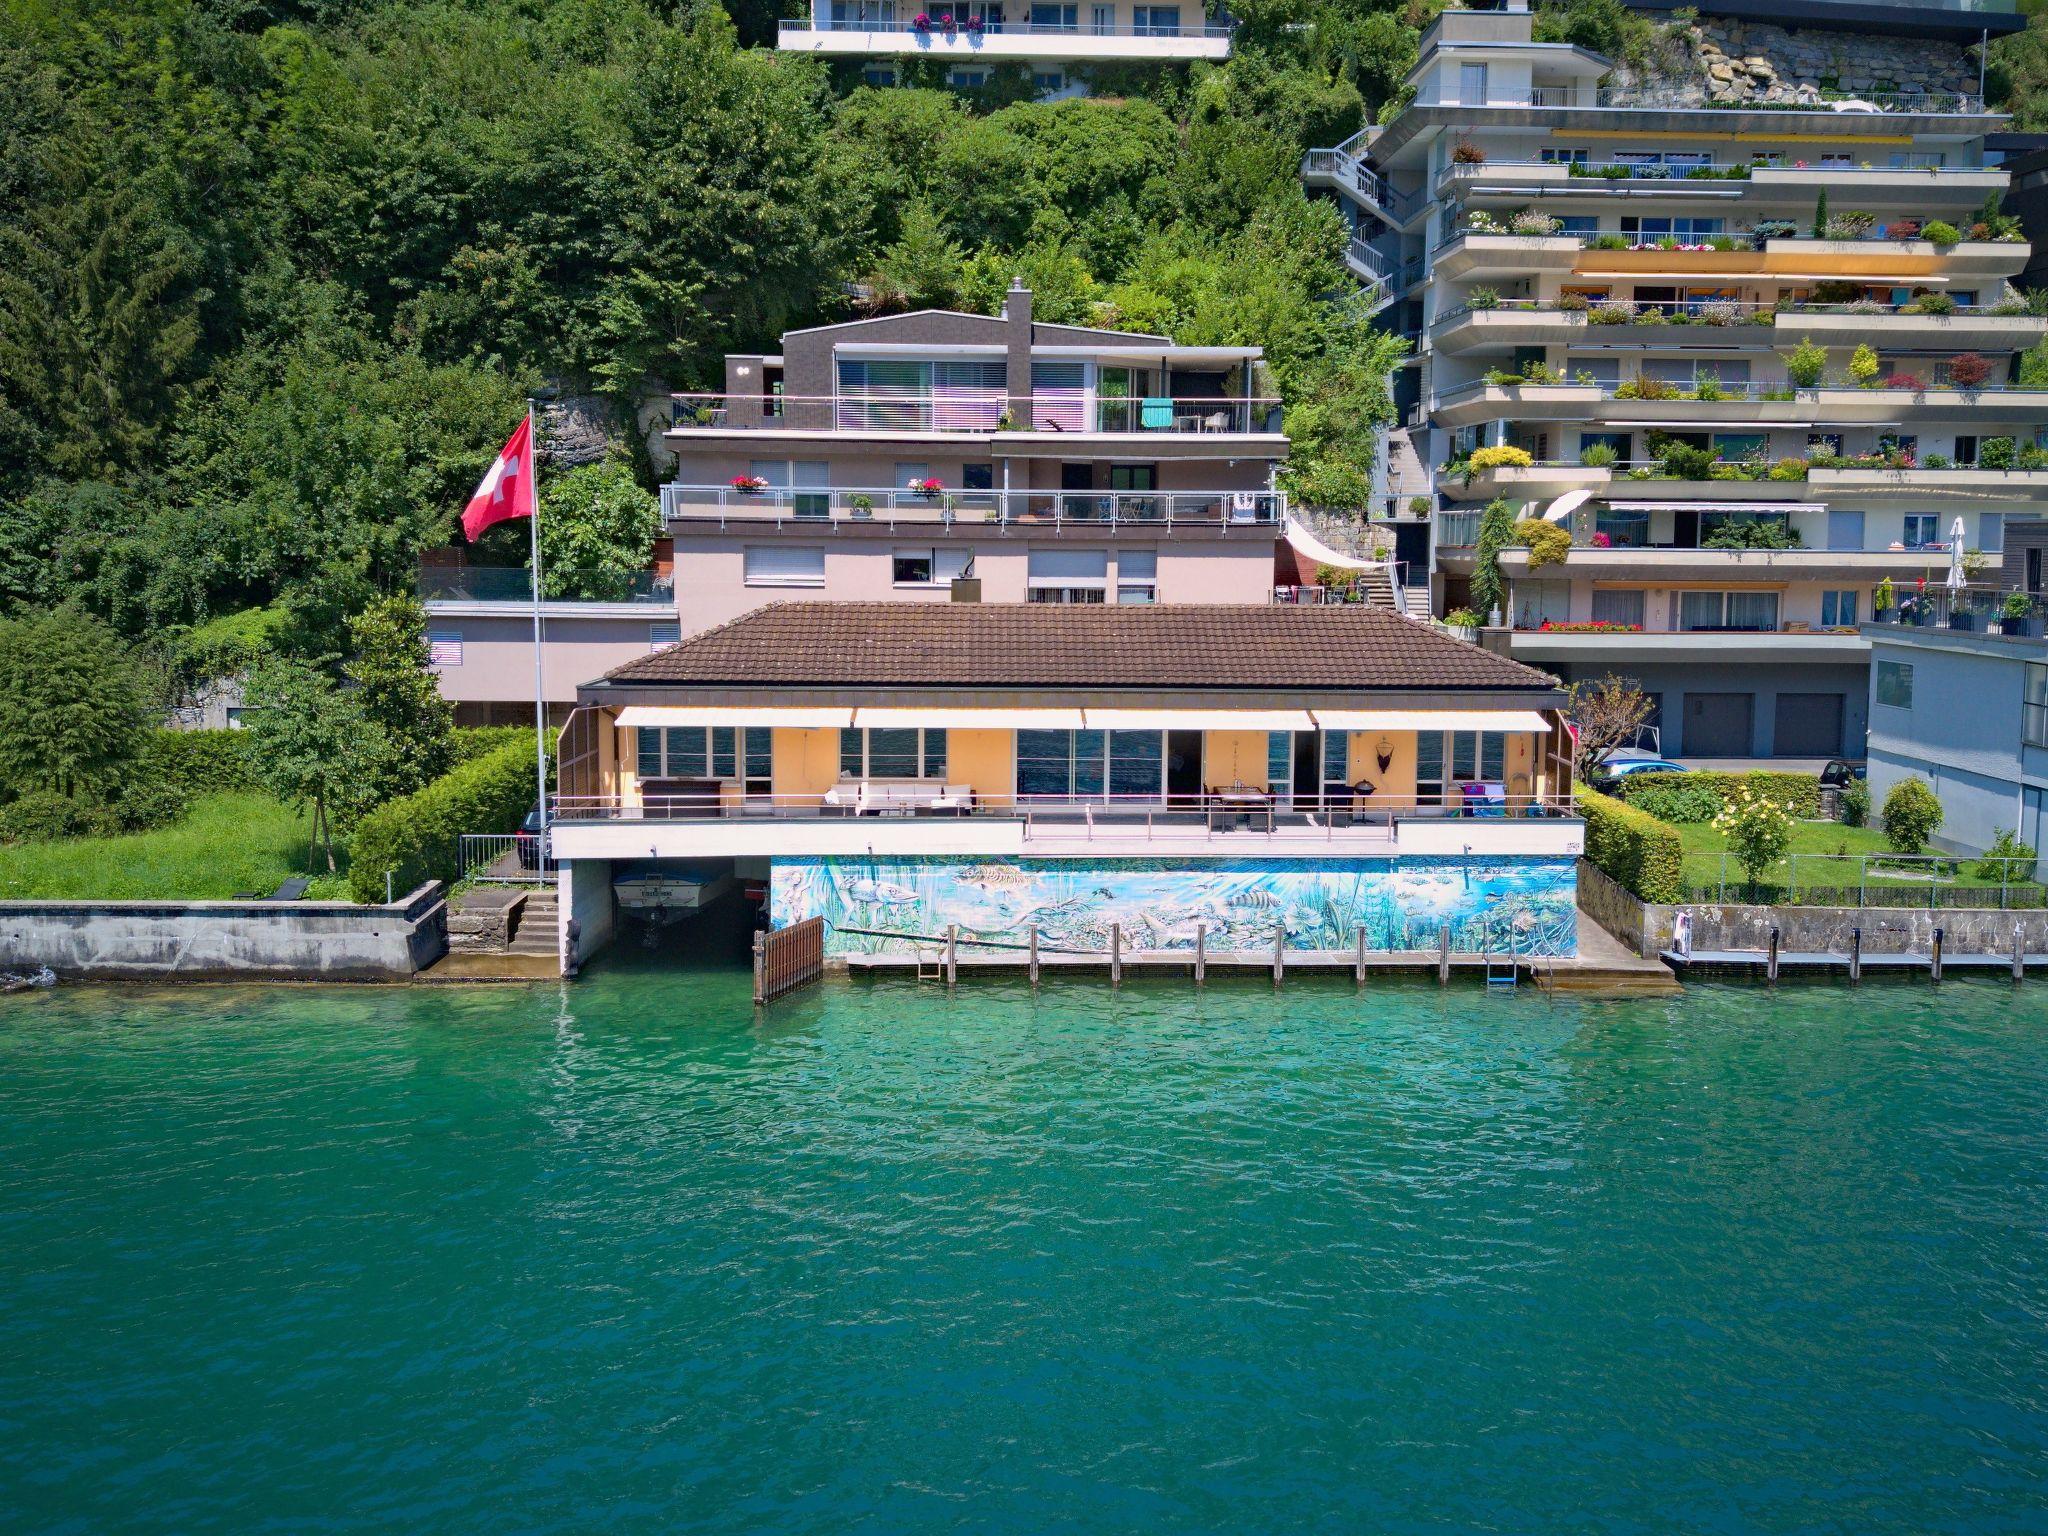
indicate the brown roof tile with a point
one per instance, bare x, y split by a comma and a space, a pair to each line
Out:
1192, 646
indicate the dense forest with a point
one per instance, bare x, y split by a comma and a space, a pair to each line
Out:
276, 276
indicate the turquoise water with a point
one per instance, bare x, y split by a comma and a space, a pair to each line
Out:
619, 1257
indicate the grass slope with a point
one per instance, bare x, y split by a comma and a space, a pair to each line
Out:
224, 844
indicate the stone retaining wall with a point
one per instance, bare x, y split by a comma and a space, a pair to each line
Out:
1753, 61
226, 940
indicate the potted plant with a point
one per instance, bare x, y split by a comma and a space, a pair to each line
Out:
1464, 622
749, 485
1969, 370
863, 504
1883, 600
921, 24
2016, 614
1464, 152
929, 488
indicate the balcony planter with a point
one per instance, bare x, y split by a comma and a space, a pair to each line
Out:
2017, 627
863, 506
749, 485
1962, 621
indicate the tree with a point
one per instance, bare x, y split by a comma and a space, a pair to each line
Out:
1912, 814
597, 530
1496, 533
399, 698
1758, 828
1608, 714
311, 743
74, 705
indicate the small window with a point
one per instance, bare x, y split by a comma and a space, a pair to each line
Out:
1894, 684
1838, 609
1137, 576
912, 568
1048, 82
785, 565
2034, 707
661, 633
1922, 529
444, 647
1991, 532
881, 76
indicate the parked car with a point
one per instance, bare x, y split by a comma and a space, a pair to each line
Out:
531, 841
1839, 771
1625, 765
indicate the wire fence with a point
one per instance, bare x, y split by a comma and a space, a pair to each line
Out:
1930, 880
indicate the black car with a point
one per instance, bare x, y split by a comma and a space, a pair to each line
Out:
531, 841
1840, 771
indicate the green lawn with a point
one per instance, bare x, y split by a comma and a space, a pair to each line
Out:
1827, 855
225, 843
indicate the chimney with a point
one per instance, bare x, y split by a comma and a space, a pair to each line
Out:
966, 589
1017, 370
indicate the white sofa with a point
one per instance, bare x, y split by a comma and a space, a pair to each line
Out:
903, 797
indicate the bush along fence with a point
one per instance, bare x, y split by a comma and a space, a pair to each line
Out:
1935, 881
1700, 796
1631, 847
418, 837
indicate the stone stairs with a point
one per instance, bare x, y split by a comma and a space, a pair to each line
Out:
1406, 475
505, 920
537, 928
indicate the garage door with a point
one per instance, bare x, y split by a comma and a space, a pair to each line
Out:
1717, 724
1808, 725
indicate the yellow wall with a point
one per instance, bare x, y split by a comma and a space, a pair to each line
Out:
806, 762
1521, 768
1396, 786
985, 759
1234, 757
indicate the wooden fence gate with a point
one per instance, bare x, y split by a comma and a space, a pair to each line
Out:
788, 958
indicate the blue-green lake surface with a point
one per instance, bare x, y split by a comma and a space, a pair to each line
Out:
621, 1257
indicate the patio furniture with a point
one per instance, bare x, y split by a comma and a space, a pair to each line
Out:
1487, 800
292, 890
904, 797
1240, 807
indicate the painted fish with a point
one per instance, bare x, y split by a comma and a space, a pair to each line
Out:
1255, 900
992, 876
880, 893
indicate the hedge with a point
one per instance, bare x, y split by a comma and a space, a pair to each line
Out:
197, 762
473, 741
414, 837
1799, 793
1633, 847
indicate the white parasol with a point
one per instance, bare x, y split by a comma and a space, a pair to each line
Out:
1955, 558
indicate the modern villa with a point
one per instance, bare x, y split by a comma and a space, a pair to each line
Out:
1058, 44
1745, 336
911, 457
1334, 774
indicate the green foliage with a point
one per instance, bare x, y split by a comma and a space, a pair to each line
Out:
1606, 27
196, 763
1547, 543
395, 689
228, 645
1798, 793
1754, 533
1806, 363
1863, 364
415, 838
1632, 847
1757, 827
1941, 232
223, 844
474, 741
1678, 801
597, 530
312, 744
1496, 533
2007, 859
1855, 801
1911, 816
73, 706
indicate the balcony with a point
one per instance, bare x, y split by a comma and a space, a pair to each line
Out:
881, 509
1647, 647
1537, 481
1764, 405
978, 412
1752, 323
1667, 99
514, 584
1965, 328
2030, 484
1481, 253
973, 37
1341, 171
1950, 189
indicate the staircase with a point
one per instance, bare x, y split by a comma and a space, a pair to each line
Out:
1405, 475
536, 928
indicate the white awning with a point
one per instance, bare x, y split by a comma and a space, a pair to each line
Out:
1200, 720
1566, 505
1305, 541
966, 718
1489, 721
1717, 506
805, 717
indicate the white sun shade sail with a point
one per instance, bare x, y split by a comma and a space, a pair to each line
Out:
1566, 505
804, 717
1200, 720
1494, 721
1323, 554
967, 718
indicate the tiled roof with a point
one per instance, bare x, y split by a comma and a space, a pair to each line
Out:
1192, 646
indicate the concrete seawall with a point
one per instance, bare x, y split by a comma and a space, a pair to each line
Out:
227, 940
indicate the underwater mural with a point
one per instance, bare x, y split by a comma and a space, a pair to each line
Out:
899, 904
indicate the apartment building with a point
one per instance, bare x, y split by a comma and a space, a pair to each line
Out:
1744, 334
1058, 43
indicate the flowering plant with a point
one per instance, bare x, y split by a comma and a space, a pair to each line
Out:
749, 484
1601, 541
1758, 829
921, 22
927, 487
1588, 627
974, 25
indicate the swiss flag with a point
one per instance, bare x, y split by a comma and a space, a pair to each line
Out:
507, 491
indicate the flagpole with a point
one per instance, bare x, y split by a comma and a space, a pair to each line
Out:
540, 706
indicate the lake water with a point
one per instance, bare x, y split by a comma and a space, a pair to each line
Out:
620, 1257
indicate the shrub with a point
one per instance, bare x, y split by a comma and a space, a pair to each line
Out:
473, 741
1683, 461
74, 709
1531, 221
1798, 793
1806, 363
1483, 298
1547, 543
2007, 859
1573, 303
1505, 456
1996, 453
1788, 469
197, 762
1465, 152
1863, 365
415, 836
1686, 804
1940, 231
1969, 370
1758, 829
1911, 381
1632, 847
1598, 455
1496, 532
1912, 814
42, 816
1612, 312
1463, 618
1642, 387
1855, 801
1853, 225
1934, 304
1903, 229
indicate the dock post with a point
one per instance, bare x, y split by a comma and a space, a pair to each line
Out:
1201, 952
760, 969
2019, 953
1116, 954
1034, 954
1358, 965
1279, 954
1855, 954
1772, 963
952, 954
1443, 957
1934, 958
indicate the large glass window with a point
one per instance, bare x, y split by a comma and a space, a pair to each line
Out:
1618, 607
1893, 682
1061, 765
2034, 708
906, 752
1922, 529
1757, 611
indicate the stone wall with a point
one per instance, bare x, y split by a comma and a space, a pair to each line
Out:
226, 940
1752, 61
1886, 930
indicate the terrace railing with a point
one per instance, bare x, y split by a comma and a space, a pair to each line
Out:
884, 506
972, 24
969, 410
514, 583
1934, 881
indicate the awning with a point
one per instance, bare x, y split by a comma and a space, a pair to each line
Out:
1306, 542
1200, 720
966, 718
1717, 506
1566, 505
806, 717
1488, 721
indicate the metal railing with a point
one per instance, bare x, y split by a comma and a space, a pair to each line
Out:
1679, 98
1931, 880
970, 24
1161, 815
776, 504
514, 583
1781, 390
979, 410
508, 858
1930, 604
